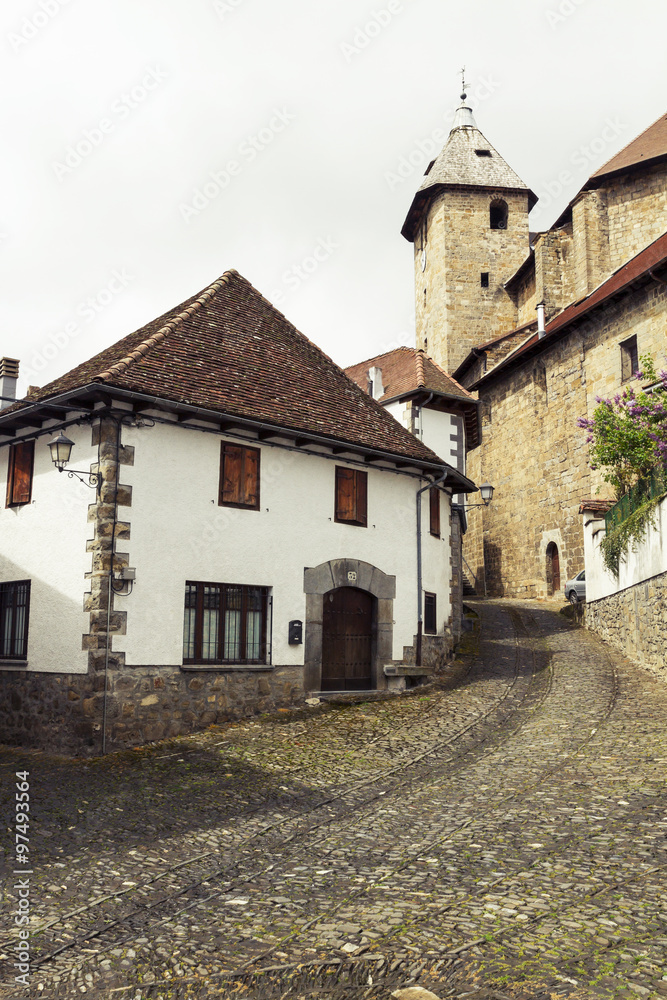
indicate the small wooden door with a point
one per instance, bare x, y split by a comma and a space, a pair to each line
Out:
347, 640
553, 568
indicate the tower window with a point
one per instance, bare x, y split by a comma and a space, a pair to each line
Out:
629, 359
428, 169
483, 152
484, 279
498, 214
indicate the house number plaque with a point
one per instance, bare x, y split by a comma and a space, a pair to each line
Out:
352, 576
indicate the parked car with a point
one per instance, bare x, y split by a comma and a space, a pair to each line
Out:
575, 589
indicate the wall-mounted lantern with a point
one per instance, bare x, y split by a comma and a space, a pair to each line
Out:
61, 449
486, 489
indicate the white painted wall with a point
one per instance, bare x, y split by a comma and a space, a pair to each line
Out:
179, 533
45, 542
648, 559
435, 429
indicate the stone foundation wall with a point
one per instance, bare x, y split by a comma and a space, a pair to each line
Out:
436, 652
64, 712
635, 622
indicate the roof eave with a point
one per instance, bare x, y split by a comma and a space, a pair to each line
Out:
26, 417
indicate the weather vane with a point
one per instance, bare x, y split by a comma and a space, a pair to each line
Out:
463, 84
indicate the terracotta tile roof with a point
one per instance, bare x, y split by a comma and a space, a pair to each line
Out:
596, 506
227, 349
406, 369
654, 256
649, 145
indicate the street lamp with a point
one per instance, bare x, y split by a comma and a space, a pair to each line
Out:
61, 449
486, 489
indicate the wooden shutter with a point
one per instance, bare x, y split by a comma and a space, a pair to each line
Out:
434, 505
362, 497
251, 477
19, 481
351, 495
239, 476
345, 494
231, 470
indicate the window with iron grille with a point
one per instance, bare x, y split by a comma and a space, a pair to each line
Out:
14, 610
430, 614
19, 473
629, 359
224, 623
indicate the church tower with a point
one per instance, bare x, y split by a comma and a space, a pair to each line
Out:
469, 225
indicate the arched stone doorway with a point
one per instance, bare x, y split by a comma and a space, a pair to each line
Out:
348, 574
348, 638
553, 569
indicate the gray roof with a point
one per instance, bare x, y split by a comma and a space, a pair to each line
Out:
459, 165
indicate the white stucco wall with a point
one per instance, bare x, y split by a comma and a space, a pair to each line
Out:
647, 560
435, 430
179, 533
45, 542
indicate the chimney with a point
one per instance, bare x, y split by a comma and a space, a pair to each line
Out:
375, 387
9, 376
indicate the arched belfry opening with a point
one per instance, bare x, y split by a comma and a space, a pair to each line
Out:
498, 212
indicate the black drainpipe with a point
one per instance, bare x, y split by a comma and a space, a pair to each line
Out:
420, 617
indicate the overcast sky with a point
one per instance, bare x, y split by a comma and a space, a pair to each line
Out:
150, 145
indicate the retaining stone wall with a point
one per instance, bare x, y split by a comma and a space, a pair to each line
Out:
63, 712
635, 621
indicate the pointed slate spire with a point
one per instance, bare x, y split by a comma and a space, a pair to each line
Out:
467, 160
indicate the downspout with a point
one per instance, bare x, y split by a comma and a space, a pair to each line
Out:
420, 616
420, 435
541, 331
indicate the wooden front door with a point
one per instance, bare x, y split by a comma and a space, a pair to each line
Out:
347, 640
553, 568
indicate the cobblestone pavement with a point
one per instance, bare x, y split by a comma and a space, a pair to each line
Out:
500, 833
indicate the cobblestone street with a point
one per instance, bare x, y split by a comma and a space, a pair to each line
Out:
501, 832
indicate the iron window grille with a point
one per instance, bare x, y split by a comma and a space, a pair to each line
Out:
224, 623
14, 614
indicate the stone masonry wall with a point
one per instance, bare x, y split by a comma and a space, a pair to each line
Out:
635, 621
453, 312
64, 713
534, 453
636, 212
591, 241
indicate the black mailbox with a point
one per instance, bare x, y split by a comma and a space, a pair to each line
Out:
295, 633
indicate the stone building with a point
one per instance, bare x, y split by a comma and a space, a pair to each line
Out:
250, 536
537, 325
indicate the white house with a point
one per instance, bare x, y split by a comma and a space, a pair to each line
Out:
252, 537
628, 611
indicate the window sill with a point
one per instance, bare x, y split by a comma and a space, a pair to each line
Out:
228, 667
13, 664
